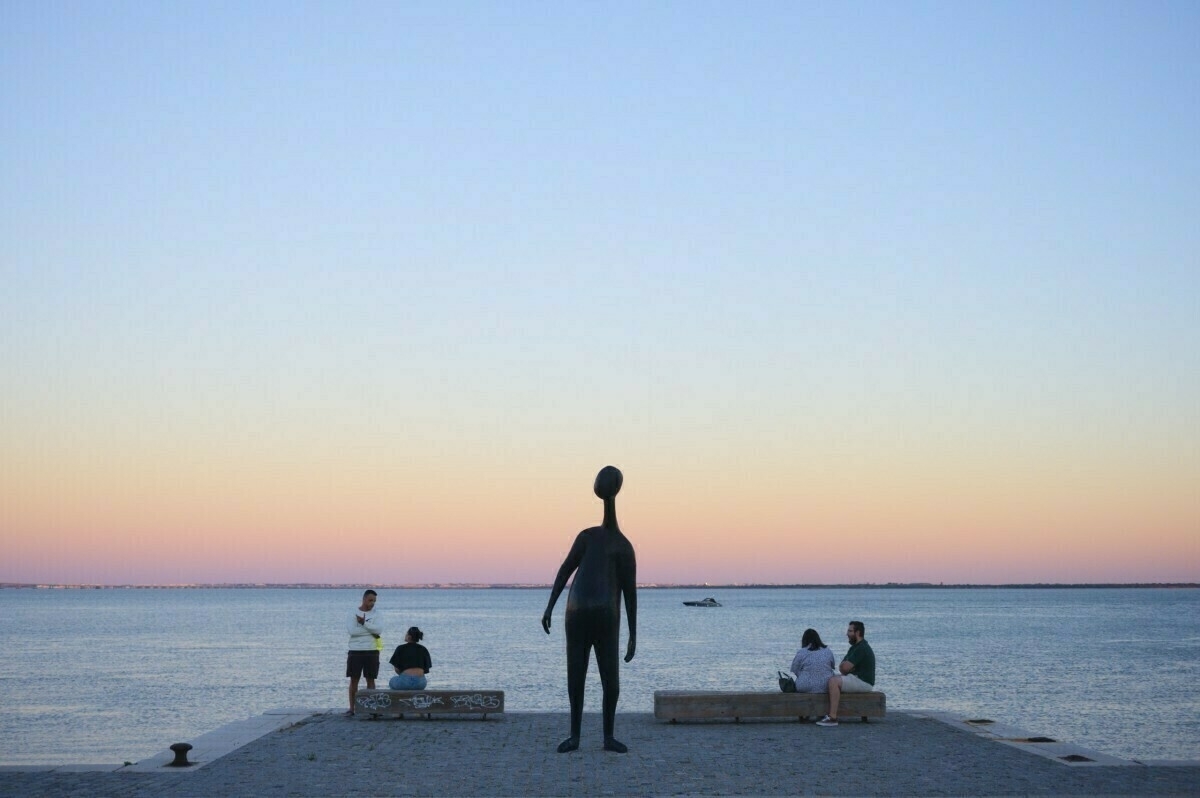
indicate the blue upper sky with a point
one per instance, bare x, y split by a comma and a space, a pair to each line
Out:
963, 225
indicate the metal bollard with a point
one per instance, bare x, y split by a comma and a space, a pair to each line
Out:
181, 760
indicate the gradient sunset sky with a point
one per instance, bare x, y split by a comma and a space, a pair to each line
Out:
368, 292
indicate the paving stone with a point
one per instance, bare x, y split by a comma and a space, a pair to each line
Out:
330, 754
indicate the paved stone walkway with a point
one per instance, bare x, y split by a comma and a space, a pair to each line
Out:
336, 755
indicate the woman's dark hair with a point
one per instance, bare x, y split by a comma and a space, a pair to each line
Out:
416, 634
811, 640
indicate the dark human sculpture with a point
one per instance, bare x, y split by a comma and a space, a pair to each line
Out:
606, 572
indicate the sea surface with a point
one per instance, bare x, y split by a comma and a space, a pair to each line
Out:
116, 675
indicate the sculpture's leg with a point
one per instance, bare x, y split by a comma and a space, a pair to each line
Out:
578, 648
610, 680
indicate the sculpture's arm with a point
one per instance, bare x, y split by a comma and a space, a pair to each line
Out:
629, 589
574, 557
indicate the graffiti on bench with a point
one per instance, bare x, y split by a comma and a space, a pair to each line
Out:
476, 700
374, 701
419, 702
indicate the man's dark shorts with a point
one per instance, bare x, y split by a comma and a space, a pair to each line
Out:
362, 663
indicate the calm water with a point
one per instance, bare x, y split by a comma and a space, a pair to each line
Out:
117, 675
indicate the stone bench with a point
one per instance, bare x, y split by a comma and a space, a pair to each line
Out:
677, 705
398, 703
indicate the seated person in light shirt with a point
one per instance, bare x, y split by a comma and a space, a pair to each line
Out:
411, 661
813, 664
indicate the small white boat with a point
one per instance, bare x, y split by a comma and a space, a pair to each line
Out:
708, 602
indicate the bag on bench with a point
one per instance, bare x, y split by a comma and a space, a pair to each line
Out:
787, 684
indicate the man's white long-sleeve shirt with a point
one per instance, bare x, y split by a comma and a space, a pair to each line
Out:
362, 635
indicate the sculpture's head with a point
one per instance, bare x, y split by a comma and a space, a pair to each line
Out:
608, 482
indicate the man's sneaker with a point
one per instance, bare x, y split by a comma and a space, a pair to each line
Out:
827, 721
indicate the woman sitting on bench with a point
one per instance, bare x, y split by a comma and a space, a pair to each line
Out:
411, 661
813, 664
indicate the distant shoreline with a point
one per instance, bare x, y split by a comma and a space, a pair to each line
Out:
655, 586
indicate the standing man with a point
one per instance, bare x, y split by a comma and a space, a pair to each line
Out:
857, 671
605, 571
363, 657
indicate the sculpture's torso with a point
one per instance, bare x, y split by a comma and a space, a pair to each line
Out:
603, 571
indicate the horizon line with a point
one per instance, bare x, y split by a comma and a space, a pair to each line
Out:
547, 585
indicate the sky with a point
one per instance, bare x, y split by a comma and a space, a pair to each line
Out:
369, 292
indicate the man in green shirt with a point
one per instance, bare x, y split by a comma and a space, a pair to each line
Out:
856, 671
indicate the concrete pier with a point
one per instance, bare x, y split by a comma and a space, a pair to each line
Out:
296, 752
